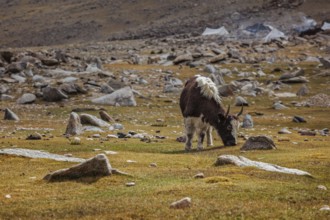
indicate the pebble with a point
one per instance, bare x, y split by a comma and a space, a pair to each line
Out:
129, 184
8, 196
284, 131
76, 141
153, 165
109, 152
325, 208
321, 187
183, 203
199, 176
130, 161
96, 136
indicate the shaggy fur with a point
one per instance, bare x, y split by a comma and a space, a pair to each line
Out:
208, 88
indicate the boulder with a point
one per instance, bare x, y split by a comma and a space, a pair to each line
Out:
10, 115
26, 98
93, 120
74, 126
121, 97
298, 119
279, 106
95, 167
258, 143
298, 79
34, 136
51, 94
105, 88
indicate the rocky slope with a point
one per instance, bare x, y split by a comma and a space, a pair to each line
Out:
46, 22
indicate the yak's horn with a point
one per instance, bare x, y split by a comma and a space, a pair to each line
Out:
227, 113
240, 111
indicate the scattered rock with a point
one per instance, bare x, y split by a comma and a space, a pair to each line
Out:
244, 162
35, 136
74, 126
321, 187
51, 94
258, 143
298, 119
199, 176
27, 98
95, 167
240, 101
10, 115
325, 208
307, 133
181, 204
181, 139
129, 184
93, 120
284, 131
247, 121
76, 141
153, 165
298, 79
105, 116
279, 106
303, 90
121, 97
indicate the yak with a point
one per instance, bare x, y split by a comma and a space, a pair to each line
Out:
202, 109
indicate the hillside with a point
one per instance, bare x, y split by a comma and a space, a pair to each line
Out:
46, 22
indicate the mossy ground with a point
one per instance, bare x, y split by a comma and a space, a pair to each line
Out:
227, 192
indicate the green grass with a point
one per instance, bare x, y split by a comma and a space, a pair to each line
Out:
226, 192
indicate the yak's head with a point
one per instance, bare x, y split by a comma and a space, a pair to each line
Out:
227, 127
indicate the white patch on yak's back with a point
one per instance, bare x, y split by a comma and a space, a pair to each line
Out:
208, 88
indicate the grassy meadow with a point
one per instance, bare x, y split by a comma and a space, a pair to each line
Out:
226, 192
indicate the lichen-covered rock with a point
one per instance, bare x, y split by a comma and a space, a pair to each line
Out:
258, 143
26, 98
95, 167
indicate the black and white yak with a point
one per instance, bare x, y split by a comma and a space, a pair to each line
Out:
201, 108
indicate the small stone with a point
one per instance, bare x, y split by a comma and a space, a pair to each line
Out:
8, 196
307, 133
199, 176
109, 152
105, 116
247, 121
283, 139
181, 139
240, 101
284, 131
26, 98
298, 119
96, 136
321, 187
279, 106
130, 161
112, 136
153, 165
35, 136
129, 184
183, 203
325, 208
75, 141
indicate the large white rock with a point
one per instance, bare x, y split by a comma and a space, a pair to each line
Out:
244, 162
121, 97
218, 31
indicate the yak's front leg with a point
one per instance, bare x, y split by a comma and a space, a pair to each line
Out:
209, 138
201, 136
190, 130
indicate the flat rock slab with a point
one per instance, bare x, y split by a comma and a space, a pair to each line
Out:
38, 154
244, 162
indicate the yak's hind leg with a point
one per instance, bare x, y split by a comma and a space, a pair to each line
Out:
190, 130
209, 138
